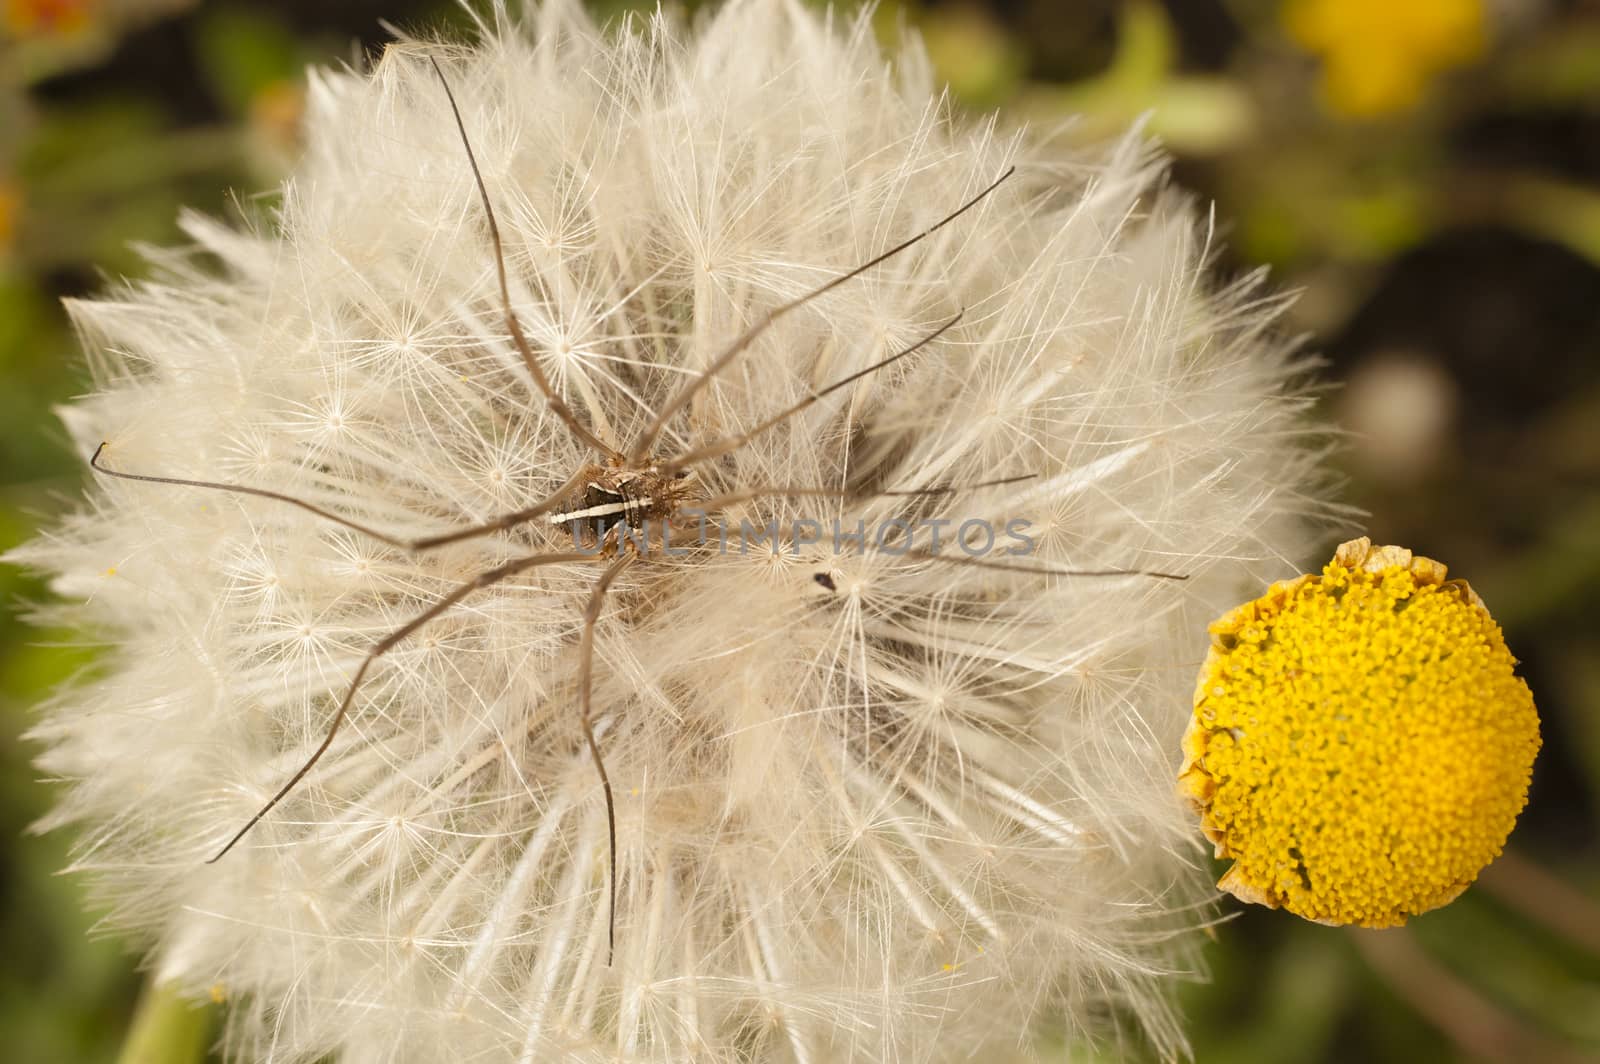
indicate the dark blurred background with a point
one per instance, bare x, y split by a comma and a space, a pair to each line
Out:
1427, 172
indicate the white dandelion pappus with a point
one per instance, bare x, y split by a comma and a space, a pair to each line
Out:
601, 503
900, 819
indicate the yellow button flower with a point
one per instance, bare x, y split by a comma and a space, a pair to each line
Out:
1378, 54
1361, 745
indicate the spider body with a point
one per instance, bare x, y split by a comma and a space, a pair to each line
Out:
617, 507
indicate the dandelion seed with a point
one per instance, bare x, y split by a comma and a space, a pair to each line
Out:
1361, 745
871, 804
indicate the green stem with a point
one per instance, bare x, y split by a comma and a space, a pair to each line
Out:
167, 1029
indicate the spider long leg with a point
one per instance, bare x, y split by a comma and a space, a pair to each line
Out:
550, 502
513, 326
1024, 567
719, 502
920, 554
487, 578
591, 614
646, 441
717, 448
240, 489
545, 505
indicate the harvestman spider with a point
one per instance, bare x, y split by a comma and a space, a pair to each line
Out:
600, 502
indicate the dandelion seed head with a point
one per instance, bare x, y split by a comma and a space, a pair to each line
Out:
870, 807
1361, 745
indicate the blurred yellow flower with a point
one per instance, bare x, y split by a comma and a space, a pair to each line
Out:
29, 18
1361, 745
1378, 55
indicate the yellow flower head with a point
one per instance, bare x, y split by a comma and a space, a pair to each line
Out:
1361, 745
1378, 55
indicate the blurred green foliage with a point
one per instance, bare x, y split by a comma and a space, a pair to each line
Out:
1446, 237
